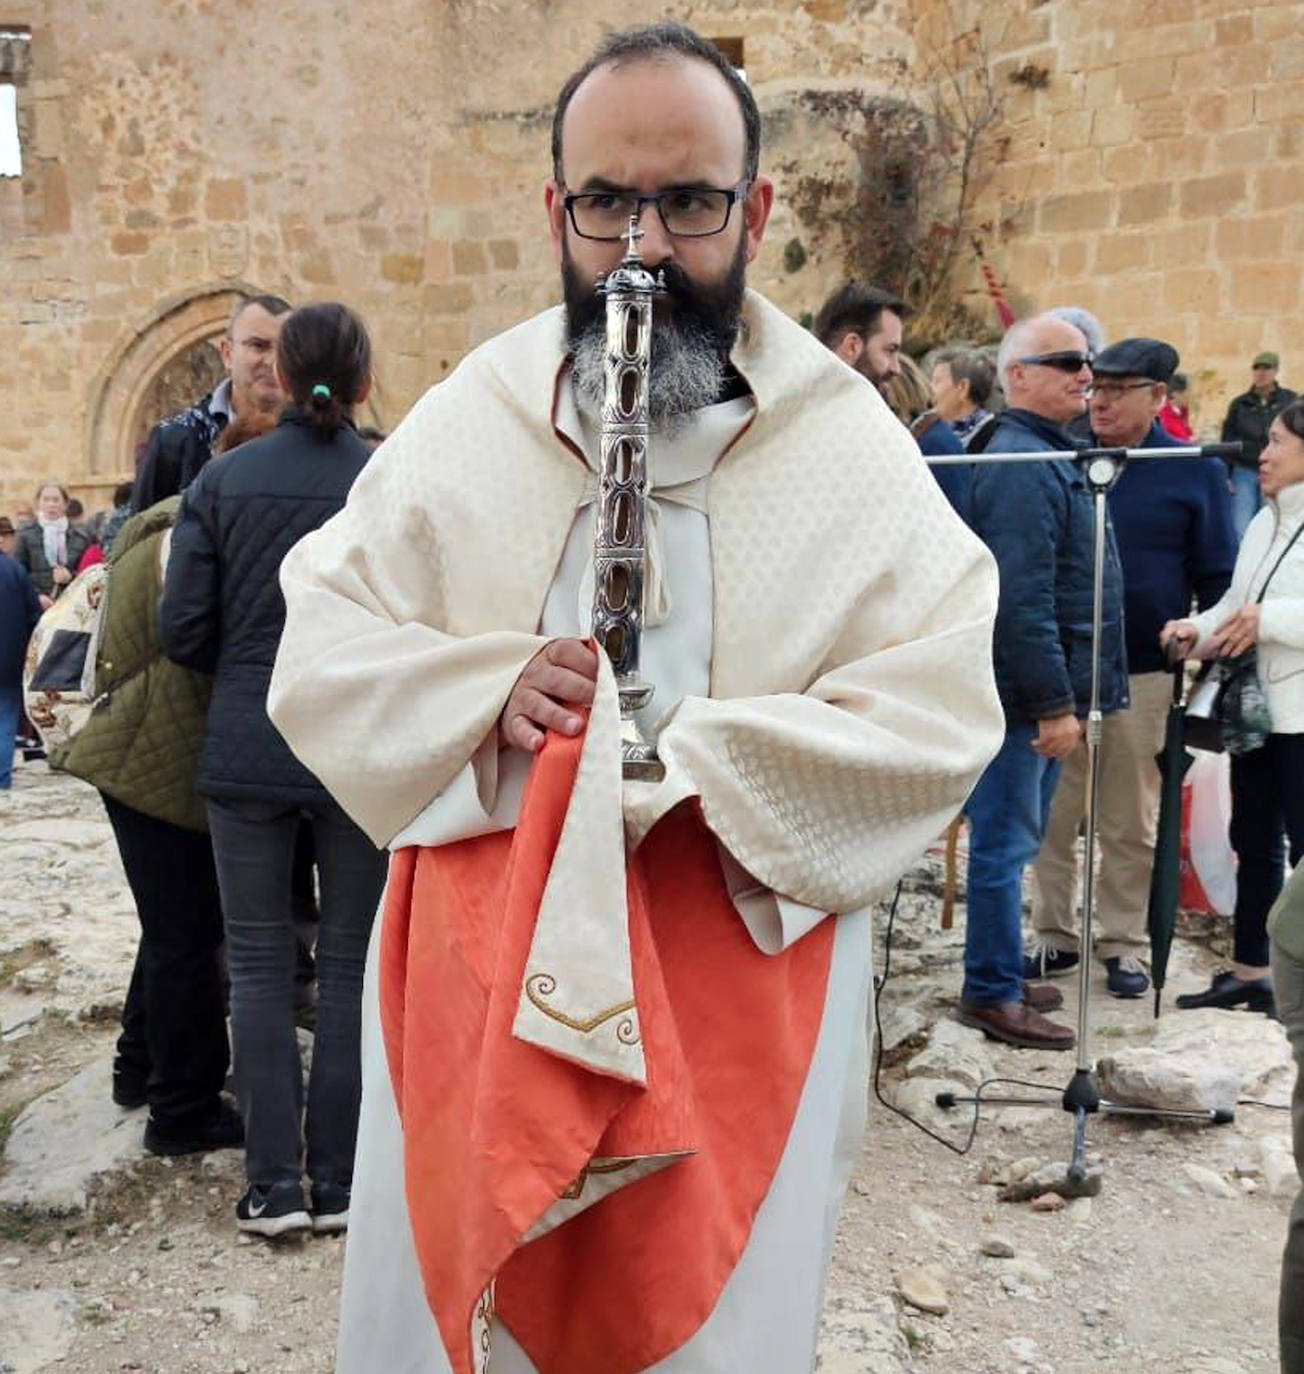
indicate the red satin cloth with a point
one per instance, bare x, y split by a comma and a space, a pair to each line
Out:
496, 1130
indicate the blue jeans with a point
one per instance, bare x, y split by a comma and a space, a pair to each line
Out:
1007, 817
1246, 498
11, 709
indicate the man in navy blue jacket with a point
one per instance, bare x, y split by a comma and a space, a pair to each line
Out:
1037, 519
1173, 521
20, 609
864, 326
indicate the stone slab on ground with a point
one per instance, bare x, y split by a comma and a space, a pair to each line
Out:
1249, 1042
862, 1335
954, 1052
36, 1329
1143, 1076
63, 1142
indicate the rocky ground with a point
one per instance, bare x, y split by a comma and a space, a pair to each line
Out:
112, 1261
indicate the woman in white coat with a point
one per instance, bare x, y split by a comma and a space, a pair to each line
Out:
1267, 783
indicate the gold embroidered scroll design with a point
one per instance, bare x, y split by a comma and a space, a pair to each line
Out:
610, 1166
482, 1331
544, 985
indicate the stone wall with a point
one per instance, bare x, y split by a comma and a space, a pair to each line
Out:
1157, 176
392, 155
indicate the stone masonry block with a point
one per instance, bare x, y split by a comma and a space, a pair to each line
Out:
1276, 189
1166, 117
56, 204
1141, 80
1076, 211
447, 298
1192, 288
1218, 111
439, 259
504, 254
1287, 61
1277, 21
1112, 125
1124, 165
1071, 259
1242, 148
1135, 42
1071, 129
403, 269
1234, 30
1268, 287
1100, 87
1214, 195
1065, 92
225, 198
1117, 253
469, 257
129, 244
1288, 141
316, 269
48, 133
1258, 238
452, 184
1145, 204
1176, 159
1279, 102
1027, 30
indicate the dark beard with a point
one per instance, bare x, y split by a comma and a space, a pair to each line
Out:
691, 339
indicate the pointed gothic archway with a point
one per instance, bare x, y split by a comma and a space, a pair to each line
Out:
150, 374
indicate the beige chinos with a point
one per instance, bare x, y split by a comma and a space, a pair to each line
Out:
1128, 812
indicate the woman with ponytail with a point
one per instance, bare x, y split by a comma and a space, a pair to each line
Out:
223, 612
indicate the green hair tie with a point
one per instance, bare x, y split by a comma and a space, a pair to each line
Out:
322, 390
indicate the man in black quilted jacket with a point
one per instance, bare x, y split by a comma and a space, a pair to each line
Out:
179, 446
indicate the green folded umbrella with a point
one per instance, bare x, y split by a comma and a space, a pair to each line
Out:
1166, 877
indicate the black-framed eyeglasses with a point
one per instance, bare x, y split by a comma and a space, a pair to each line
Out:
1115, 389
1065, 360
688, 212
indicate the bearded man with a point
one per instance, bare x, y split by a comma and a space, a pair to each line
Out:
614, 1032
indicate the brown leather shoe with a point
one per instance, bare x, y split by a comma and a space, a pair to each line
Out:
1042, 997
1017, 1023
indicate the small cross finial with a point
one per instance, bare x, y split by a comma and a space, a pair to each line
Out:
632, 236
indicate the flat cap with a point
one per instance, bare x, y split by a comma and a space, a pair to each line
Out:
1266, 360
1151, 358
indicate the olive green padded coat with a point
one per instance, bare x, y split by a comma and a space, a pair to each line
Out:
142, 741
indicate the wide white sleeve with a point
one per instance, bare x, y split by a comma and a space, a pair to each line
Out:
383, 704
827, 796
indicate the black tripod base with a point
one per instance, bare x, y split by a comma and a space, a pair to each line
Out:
1075, 1098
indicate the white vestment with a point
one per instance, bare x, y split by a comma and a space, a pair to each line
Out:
829, 635
767, 1316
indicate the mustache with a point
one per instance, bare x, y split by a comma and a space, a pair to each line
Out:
712, 310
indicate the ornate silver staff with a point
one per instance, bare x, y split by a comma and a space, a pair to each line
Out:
619, 548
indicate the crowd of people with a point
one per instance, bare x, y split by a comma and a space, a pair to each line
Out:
1175, 528
255, 892
291, 703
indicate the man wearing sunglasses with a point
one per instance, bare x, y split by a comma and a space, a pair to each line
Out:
614, 1059
1037, 519
1174, 528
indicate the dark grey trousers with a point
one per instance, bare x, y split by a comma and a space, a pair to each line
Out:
1287, 926
254, 844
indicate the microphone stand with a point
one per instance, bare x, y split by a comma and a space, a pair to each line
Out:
1101, 468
